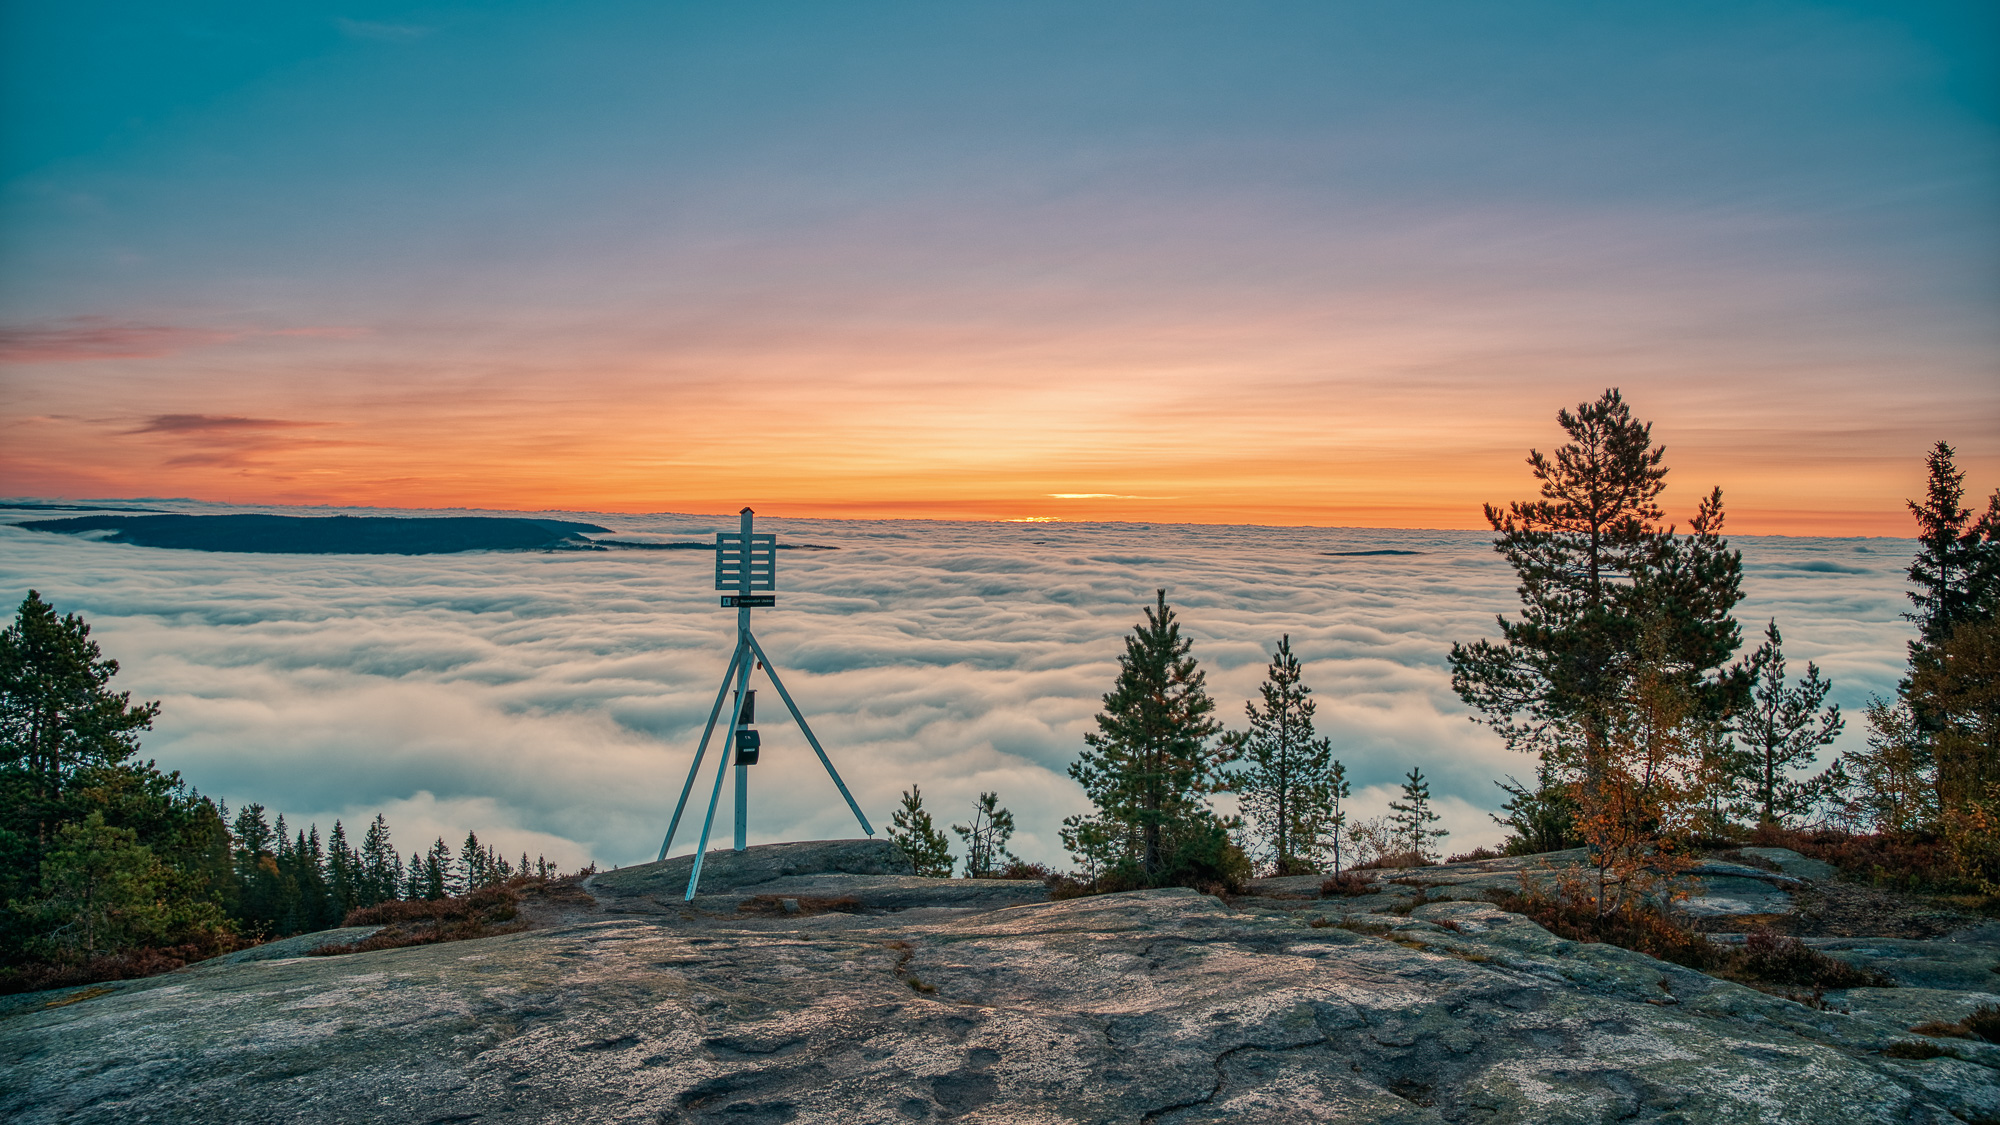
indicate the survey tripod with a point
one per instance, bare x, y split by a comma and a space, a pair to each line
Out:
746, 565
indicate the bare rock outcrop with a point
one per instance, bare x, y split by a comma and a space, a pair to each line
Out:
1153, 1006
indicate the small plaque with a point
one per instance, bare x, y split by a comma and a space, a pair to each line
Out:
734, 601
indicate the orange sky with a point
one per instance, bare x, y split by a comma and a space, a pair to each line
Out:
1299, 264
1260, 425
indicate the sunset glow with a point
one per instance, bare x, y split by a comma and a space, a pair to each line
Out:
911, 263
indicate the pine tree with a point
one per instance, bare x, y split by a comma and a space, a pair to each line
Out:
912, 830
1413, 818
1333, 830
986, 837
1781, 731
101, 891
1287, 789
1097, 843
1573, 549
1148, 766
58, 719
1598, 573
1542, 819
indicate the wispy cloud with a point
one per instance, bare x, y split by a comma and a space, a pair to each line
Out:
214, 423
78, 338
1104, 496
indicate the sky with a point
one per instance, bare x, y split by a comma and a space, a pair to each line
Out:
551, 702
1315, 263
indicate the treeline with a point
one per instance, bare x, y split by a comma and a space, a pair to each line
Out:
110, 866
290, 884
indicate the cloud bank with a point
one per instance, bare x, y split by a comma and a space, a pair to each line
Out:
552, 701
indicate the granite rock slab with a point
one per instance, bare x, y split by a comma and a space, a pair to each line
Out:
1150, 1006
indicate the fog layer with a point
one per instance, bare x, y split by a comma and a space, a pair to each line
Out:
552, 701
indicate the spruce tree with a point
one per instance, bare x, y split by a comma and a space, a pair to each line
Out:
912, 829
1781, 731
1956, 689
415, 887
1287, 787
437, 872
1411, 824
986, 837
1148, 766
474, 865
1947, 570
1933, 756
316, 908
261, 895
343, 872
381, 865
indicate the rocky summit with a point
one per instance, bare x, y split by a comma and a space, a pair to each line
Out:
825, 983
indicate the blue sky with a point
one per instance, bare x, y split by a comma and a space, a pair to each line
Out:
516, 232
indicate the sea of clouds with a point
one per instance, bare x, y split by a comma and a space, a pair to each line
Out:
552, 701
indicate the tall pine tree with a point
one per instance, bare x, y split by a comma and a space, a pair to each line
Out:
1597, 572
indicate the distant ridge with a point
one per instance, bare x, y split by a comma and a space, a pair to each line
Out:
1358, 554
331, 535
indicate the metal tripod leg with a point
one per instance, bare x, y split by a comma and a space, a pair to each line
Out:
714, 795
713, 713
772, 671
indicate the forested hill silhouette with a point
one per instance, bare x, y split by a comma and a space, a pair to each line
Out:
325, 535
